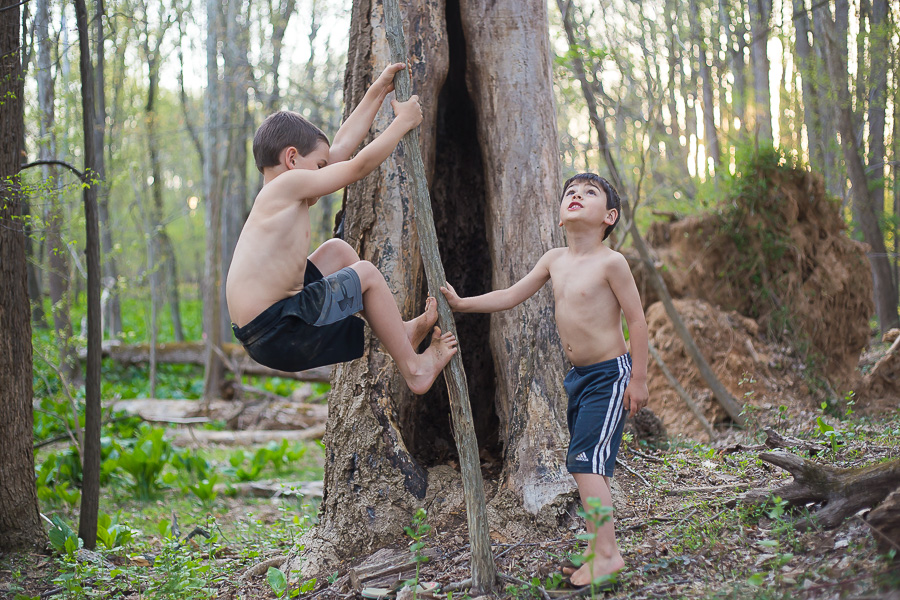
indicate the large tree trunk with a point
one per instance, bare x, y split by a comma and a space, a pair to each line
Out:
494, 179
20, 524
734, 42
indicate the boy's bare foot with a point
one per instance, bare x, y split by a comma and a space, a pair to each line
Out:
596, 568
430, 363
418, 328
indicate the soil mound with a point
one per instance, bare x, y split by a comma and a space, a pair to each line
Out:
776, 253
760, 375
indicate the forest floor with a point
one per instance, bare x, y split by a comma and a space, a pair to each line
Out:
679, 523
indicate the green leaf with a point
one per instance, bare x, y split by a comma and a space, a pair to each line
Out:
277, 580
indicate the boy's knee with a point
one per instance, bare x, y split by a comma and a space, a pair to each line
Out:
342, 248
366, 271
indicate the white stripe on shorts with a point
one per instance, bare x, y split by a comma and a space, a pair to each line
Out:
613, 415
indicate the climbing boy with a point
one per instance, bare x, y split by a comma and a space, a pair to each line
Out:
293, 310
593, 287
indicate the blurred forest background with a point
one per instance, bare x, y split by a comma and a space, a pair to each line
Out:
680, 89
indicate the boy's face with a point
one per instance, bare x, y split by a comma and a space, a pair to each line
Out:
585, 202
316, 159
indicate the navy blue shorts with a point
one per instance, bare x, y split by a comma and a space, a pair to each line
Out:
313, 328
596, 415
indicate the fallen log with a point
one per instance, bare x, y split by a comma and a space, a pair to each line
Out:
191, 353
841, 492
263, 489
246, 438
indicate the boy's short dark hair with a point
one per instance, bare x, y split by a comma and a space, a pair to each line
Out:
612, 196
279, 131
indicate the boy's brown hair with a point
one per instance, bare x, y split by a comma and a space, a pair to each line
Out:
281, 130
612, 196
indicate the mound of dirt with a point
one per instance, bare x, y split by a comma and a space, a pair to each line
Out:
778, 254
756, 373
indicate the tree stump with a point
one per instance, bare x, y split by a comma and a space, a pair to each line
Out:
841, 492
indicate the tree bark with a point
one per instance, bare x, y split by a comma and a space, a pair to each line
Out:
805, 64
760, 13
90, 490
880, 50
484, 570
494, 179
57, 255
734, 36
708, 108
886, 295
112, 309
20, 524
214, 370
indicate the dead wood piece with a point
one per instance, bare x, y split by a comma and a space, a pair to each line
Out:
260, 568
246, 438
386, 567
193, 353
706, 489
885, 521
776, 441
262, 489
842, 492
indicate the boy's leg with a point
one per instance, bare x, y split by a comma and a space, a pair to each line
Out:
334, 254
381, 312
606, 557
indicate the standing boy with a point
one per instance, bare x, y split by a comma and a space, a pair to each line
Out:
592, 286
292, 310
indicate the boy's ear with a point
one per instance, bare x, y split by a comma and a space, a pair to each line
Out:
290, 156
611, 216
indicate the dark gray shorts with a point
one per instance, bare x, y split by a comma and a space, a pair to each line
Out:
313, 328
596, 414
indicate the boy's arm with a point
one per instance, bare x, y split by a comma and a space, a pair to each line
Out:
333, 177
354, 129
502, 299
622, 283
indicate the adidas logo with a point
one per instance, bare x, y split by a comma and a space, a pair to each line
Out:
582, 457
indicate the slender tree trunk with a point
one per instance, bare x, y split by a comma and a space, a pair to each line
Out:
214, 370
886, 295
90, 491
235, 193
709, 115
880, 51
760, 13
805, 64
112, 310
57, 252
20, 524
834, 174
734, 36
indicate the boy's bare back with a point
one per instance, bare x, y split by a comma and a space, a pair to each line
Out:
270, 257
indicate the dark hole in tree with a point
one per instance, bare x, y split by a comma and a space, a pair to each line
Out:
458, 201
